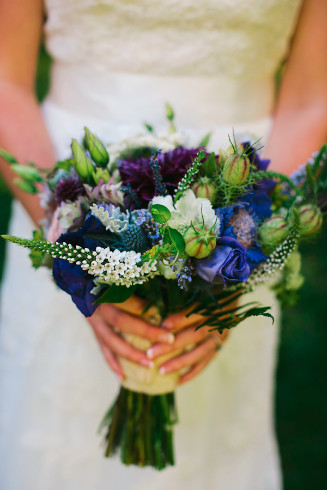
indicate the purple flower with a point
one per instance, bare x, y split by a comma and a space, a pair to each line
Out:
68, 189
227, 263
73, 279
139, 174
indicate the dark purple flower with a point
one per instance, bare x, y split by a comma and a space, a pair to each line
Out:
68, 189
71, 277
227, 263
139, 174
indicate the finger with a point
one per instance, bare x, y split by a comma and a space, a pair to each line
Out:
132, 305
118, 345
195, 370
200, 352
110, 357
183, 339
135, 325
179, 320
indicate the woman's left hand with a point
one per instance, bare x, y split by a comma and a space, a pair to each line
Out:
199, 347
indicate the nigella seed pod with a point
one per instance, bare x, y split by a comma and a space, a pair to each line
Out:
273, 231
311, 219
97, 149
82, 164
206, 188
236, 169
199, 241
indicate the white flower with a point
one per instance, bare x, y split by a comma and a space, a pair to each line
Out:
164, 141
188, 210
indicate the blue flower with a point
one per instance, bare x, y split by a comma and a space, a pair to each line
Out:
227, 263
71, 277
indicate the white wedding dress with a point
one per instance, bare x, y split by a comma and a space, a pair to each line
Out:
116, 63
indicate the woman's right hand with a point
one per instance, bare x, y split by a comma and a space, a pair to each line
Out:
108, 320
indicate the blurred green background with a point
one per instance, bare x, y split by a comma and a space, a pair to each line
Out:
301, 396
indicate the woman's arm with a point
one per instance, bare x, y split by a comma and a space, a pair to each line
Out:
23, 133
22, 129
300, 120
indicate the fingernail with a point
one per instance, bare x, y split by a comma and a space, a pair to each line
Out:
169, 338
150, 353
147, 363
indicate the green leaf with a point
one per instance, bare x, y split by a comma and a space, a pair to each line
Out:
116, 294
26, 186
148, 127
205, 140
37, 258
7, 156
28, 173
172, 236
160, 213
65, 164
169, 112
210, 165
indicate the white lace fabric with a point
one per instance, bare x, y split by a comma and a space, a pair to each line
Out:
116, 63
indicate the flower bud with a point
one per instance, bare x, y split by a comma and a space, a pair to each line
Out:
199, 241
236, 169
274, 231
206, 188
82, 164
311, 219
100, 173
29, 173
97, 149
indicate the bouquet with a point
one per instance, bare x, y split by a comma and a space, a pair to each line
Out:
179, 227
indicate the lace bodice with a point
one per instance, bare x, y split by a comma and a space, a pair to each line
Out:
172, 37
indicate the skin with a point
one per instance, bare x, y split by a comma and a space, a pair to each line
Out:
299, 128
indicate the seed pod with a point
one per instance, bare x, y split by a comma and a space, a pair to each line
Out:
97, 149
199, 241
82, 164
311, 219
274, 231
206, 188
236, 169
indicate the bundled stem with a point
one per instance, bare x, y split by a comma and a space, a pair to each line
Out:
140, 427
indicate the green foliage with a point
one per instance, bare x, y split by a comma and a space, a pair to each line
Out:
7, 156
189, 177
36, 257
210, 166
205, 140
160, 213
116, 294
173, 237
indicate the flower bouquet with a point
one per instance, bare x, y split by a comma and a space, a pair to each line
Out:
179, 227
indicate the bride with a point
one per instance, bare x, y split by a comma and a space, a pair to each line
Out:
116, 63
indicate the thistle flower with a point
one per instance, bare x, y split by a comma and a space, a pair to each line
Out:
68, 188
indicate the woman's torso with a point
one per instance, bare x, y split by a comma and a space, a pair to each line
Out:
120, 61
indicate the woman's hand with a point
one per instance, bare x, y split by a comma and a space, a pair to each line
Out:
125, 317
199, 347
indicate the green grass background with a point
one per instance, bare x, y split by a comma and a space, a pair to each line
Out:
301, 395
